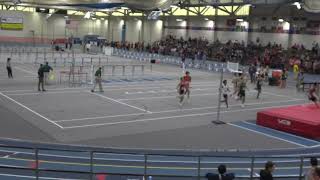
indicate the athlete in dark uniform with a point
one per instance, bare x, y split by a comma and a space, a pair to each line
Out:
242, 90
259, 85
313, 95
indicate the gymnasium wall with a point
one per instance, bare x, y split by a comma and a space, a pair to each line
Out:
40, 29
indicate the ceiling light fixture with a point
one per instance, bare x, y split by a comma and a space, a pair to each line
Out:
298, 4
87, 15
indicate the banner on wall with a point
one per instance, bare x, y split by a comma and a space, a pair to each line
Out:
72, 24
11, 23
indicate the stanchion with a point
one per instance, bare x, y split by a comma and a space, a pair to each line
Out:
123, 70
142, 68
133, 70
113, 70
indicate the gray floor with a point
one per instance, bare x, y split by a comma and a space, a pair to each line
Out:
142, 114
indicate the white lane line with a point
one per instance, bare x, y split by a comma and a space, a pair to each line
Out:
164, 97
278, 95
316, 146
125, 104
26, 71
61, 92
168, 117
125, 86
7, 156
174, 110
44, 93
34, 112
287, 134
168, 91
268, 135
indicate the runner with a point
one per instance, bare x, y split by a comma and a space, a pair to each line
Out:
235, 82
225, 91
259, 84
313, 95
284, 78
242, 90
187, 80
300, 80
181, 91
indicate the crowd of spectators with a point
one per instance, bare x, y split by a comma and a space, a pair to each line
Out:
272, 54
267, 173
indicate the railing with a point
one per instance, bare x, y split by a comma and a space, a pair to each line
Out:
60, 163
211, 66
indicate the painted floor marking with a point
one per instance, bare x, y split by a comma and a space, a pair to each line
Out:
166, 91
168, 117
125, 104
116, 87
168, 111
26, 71
292, 137
34, 112
265, 134
164, 97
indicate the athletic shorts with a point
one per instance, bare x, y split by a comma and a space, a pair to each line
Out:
314, 99
225, 96
181, 91
242, 93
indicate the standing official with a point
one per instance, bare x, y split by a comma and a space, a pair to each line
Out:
98, 80
41, 78
9, 68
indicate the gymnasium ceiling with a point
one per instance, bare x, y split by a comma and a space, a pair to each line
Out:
148, 4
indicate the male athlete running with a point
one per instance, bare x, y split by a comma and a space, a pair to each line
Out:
187, 82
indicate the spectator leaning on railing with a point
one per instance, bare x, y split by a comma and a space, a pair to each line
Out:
266, 174
223, 175
311, 174
272, 54
317, 171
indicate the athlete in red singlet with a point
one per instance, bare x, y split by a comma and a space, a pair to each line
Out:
181, 90
187, 82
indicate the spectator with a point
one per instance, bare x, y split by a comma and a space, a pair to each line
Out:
311, 174
41, 78
223, 175
266, 174
317, 171
9, 68
252, 73
300, 80
284, 77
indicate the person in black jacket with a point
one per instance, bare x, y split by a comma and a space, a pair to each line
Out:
41, 78
9, 68
266, 174
223, 175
